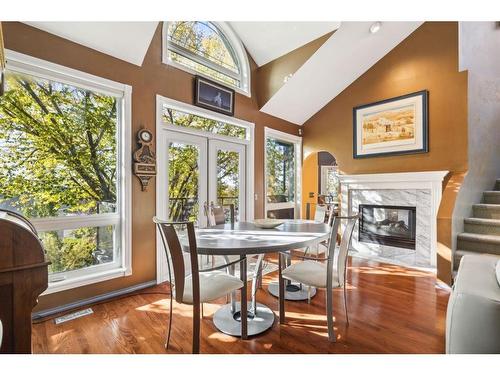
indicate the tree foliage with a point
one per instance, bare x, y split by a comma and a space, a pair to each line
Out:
58, 147
280, 171
204, 40
58, 157
183, 166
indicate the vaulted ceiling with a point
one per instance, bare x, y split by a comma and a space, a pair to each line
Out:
344, 57
266, 41
349, 52
128, 41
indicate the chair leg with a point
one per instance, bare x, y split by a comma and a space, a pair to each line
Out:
202, 311
196, 328
281, 290
329, 314
308, 294
255, 282
345, 304
169, 322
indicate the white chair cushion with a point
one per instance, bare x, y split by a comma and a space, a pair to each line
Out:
311, 273
213, 285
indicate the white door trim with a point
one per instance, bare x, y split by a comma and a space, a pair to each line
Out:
297, 141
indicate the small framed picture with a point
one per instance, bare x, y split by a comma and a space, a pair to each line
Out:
393, 126
211, 95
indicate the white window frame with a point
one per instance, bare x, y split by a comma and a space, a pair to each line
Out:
161, 154
297, 142
238, 48
21, 63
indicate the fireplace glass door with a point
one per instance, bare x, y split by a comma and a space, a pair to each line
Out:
388, 225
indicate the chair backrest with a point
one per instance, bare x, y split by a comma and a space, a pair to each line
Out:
338, 255
320, 213
216, 214
175, 255
331, 214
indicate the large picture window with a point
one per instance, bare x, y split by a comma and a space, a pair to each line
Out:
210, 49
61, 155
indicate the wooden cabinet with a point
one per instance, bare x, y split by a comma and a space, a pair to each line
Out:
23, 277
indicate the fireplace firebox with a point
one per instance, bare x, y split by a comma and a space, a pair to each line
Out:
388, 225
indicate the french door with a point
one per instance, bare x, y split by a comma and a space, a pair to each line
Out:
199, 170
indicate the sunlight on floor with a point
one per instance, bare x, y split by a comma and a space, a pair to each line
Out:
390, 270
160, 307
57, 337
219, 336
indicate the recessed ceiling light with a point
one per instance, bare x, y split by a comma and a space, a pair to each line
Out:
375, 27
287, 78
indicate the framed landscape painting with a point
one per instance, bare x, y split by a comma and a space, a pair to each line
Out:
393, 126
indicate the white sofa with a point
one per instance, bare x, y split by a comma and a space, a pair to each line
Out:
473, 316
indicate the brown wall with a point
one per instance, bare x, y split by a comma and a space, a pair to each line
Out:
427, 59
146, 81
270, 76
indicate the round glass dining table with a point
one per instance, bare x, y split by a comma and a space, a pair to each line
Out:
245, 239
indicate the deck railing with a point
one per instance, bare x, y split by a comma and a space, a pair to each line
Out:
186, 208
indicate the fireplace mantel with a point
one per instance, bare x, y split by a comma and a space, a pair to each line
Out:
402, 177
431, 181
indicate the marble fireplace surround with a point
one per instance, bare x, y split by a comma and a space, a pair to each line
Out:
422, 190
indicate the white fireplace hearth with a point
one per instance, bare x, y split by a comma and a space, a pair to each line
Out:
421, 190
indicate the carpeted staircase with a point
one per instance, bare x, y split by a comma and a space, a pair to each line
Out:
482, 232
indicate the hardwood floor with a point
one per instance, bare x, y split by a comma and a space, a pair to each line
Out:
391, 309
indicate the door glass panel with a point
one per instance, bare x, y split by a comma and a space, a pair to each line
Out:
183, 177
228, 184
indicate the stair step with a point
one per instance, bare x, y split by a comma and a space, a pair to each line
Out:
482, 226
481, 243
486, 211
457, 256
491, 197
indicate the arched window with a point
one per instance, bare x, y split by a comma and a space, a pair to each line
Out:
207, 48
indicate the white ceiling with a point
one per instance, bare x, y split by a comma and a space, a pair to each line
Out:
128, 41
266, 41
344, 57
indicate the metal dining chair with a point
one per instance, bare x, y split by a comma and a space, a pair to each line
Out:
312, 271
202, 285
217, 216
320, 213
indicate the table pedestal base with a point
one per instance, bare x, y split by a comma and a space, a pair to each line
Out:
229, 323
292, 291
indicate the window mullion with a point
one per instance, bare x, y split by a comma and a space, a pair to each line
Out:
202, 60
74, 222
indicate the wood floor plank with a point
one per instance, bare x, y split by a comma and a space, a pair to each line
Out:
392, 309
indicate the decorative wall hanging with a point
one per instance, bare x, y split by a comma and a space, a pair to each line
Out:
392, 127
211, 95
144, 158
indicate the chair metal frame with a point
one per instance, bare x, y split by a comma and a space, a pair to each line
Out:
342, 257
173, 247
